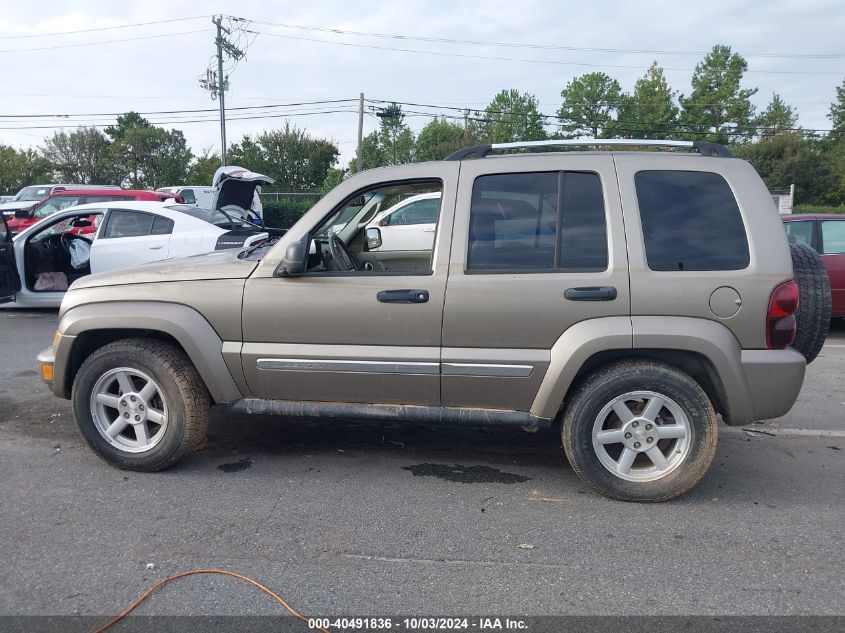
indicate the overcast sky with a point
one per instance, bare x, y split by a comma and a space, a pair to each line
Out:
119, 72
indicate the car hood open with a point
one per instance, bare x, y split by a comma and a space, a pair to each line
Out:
223, 264
236, 185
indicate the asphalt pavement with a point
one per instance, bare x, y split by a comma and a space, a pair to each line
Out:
348, 519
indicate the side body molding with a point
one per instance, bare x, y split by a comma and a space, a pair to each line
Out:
569, 353
199, 340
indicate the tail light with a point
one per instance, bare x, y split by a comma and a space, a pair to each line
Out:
780, 318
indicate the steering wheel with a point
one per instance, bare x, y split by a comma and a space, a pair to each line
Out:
67, 238
341, 256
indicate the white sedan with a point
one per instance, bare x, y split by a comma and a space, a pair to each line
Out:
38, 264
408, 225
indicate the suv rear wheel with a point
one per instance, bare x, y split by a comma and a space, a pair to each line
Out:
640, 430
140, 404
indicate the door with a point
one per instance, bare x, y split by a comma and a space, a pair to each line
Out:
832, 250
369, 335
130, 238
538, 246
10, 281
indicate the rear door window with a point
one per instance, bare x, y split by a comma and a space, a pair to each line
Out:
799, 232
123, 223
833, 237
690, 221
545, 221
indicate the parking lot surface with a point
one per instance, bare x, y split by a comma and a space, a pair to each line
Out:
348, 519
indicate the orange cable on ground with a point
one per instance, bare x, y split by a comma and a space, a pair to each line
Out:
193, 572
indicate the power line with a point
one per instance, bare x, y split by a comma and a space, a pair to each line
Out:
102, 28
180, 121
193, 111
519, 59
445, 40
98, 43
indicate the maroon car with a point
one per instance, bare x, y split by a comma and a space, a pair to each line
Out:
826, 234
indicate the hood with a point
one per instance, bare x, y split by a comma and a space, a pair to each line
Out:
11, 207
236, 185
217, 265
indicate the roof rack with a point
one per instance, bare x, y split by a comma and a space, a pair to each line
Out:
703, 147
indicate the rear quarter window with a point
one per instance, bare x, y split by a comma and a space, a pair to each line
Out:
690, 221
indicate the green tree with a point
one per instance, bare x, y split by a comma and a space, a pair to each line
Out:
147, 156
790, 158
395, 137
439, 138
81, 156
590, 103
248, 154
290, 156
21, 167
650, 111
837, 109
512, 116
201, 171
777, 118
333, 178
718, 108
372, 153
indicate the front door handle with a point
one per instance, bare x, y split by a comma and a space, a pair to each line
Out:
591, 293
403, 296
156, 247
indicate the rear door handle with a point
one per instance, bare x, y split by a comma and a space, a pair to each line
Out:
156, 247
403, 296
591, 293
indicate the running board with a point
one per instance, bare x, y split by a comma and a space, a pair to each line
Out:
456, 416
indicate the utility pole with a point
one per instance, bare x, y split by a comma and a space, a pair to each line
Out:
218, 21
214, 80
360, 131
466, 124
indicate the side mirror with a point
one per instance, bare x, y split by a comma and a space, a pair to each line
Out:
373, 238
81, 223
22, 214
296, 255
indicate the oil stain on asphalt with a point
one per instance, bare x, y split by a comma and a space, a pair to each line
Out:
233, 467
465, 474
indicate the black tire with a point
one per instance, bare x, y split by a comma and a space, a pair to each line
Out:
602, 387
180, 386
814, 305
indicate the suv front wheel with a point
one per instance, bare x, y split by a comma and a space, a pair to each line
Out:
140, 404
640, 430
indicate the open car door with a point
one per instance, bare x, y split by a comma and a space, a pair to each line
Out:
10, 281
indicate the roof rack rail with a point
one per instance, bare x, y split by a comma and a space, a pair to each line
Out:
703, 147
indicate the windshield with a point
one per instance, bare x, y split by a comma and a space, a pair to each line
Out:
217, 218
32, 194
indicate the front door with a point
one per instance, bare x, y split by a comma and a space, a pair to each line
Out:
370, 335
534, 253
10, 281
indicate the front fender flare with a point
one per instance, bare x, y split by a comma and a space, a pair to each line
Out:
187, 326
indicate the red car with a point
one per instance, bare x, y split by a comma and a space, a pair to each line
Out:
64, 199
826, 234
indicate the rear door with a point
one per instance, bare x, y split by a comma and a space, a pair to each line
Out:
10, 281
130, 238
832, 249
538, 246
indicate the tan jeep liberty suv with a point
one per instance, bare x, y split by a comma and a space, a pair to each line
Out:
631, 296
